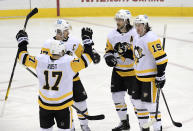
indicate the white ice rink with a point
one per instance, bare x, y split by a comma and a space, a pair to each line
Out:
21, 112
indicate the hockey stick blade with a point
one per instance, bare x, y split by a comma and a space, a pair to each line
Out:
177, 124
150, 123
32, 13
97, 117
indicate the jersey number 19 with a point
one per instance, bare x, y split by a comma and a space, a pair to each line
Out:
157, 47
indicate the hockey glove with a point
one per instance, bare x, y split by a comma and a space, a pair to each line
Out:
111, 60
160, 81
87, 36
120, 48
22, 38
128, 54
96, 57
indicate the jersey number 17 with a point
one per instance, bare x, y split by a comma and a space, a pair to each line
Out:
54, 74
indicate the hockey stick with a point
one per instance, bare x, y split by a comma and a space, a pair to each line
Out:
33, 12
177, 124
96, 117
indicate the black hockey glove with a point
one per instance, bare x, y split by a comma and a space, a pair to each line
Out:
111, 60
22, 38
160, 81
87, 36
128, 54
96, 57
120, 48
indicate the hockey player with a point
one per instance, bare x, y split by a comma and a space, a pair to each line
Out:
55, 74
73, 47
119, 55
150, 64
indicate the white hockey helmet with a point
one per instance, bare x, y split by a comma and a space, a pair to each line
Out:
141, 19
123, 14
57, 47
62, 25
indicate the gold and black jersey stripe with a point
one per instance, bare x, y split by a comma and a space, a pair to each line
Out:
152, 115
161, 59
142, 114
58, 106
125, 73
146, 78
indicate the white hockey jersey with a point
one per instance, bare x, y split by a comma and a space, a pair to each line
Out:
148, 54
55, 78
72, 45
124, 66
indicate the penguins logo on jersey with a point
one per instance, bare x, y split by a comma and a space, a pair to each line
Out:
121, 48
138, 53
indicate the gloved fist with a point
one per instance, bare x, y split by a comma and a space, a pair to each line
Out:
160, 81
121, 48
86, 33
111, 60
22, 38
87, 36
128, 54
96, 57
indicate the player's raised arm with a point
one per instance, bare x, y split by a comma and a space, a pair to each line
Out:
87, 56
23, 56
80, 49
